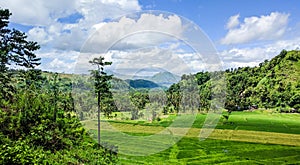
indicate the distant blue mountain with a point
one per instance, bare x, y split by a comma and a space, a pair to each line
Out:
160, 79
140, 83
165, 79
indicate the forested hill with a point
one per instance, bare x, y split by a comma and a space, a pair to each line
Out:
272, 84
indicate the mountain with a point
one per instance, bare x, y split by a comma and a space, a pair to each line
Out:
140, 83
165, 78
161, 79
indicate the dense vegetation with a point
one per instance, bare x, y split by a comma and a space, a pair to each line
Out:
37, 113
272, 84
40, 112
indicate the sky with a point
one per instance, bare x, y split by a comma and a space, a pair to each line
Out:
180, 36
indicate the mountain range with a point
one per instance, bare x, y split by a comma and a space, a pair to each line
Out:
161, 79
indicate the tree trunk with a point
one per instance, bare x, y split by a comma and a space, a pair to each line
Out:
99, 108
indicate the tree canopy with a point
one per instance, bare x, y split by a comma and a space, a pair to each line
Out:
15, 50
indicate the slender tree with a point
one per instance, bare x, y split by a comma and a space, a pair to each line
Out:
14, 50
102, 85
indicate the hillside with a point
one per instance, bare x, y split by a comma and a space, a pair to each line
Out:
272, 84
161, 79
280, 85
140, 83
165, 78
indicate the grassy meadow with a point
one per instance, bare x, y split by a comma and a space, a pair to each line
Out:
249, 137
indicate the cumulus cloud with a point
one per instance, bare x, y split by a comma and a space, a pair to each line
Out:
57, 65
62, 55
147, 30
60, 66
252, 56
46, 15
38, 12
39, 35
128, 38
58, 61
233, 21
151, 59
43, 12
265, 27
61, 40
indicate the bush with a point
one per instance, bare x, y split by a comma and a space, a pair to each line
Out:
35, 129
20, 152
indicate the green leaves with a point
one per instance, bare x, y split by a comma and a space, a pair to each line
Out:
102, 85
274, 83
32, 136
4, 16
37, 120
15, 49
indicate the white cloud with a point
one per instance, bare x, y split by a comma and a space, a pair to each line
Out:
266, 27
61, 41
135, 61
57, 65
125, 4
233, 21
132, 62
147, 30
58, 61
240, 57
38, 12
39, 35
63, 35
244, 55
44, 12
62, 55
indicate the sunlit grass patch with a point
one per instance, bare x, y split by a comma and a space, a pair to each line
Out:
247, 137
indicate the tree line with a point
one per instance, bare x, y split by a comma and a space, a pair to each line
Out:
271, 85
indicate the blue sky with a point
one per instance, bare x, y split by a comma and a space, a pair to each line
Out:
212, 15
244, 33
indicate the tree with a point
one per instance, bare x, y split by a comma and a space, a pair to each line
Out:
294, 101
174, 96
139, 99
29, 132
102, 86
14, 50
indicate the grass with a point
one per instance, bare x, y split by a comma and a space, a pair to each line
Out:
249, 120
193, 151
258, 137
263, 121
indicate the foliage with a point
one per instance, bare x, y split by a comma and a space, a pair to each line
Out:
37, 113
41, 126
102, 86
139, 98
14, 50
272, 84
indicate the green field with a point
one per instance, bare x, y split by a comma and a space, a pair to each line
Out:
259, 137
